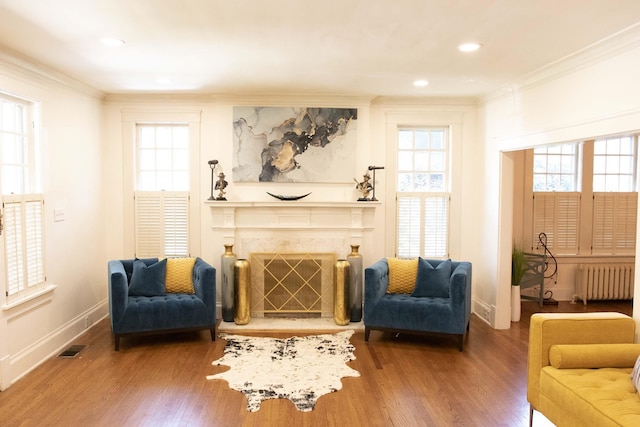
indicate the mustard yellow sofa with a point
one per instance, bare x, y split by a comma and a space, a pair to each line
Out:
579, 369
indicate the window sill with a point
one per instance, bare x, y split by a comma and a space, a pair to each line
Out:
47, 290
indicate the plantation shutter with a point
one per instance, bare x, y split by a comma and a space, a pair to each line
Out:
161, 224
557, 215
409, 226
614, 223
24, 243
422, 225
435, 226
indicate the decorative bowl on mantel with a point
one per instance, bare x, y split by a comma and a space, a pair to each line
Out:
287, 198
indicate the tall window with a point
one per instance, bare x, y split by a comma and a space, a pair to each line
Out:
556, 201
22, 204
162, 190
423, 192
615, 200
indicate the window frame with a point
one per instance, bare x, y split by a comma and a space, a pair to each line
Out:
548, 175
428, 199
599, 234
157, 152
130, 120
23, 211
607, 156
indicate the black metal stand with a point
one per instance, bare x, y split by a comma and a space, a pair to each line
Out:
212, 165
373, 184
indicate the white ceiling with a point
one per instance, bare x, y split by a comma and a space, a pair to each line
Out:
337, 47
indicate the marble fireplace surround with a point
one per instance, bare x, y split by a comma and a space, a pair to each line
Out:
293, 226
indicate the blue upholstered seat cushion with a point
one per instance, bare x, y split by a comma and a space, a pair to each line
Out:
432, 281
148, 280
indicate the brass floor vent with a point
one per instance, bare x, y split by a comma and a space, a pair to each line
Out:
72, 351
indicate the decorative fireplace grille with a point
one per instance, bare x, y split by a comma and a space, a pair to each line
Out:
292, 284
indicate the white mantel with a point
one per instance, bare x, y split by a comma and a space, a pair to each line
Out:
293, 226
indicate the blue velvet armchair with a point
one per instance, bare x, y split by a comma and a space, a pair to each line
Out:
163, 313
447, 313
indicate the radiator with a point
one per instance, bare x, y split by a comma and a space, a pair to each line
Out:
604, 282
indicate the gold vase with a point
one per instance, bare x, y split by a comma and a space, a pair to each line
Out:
341, 274
241, 292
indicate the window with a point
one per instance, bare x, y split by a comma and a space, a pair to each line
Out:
600, 219
615, 201
163, 158
614, 164
556, 201
423, 192
162, 190
22, 204
555, 168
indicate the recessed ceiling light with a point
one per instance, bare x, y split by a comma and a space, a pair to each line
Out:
421, 83
164, 80
469, 47
111, 41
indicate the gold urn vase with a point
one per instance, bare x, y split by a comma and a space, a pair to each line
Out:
341, 274
241, 292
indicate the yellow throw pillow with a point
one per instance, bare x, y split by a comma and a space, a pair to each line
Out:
402, 275
180, 275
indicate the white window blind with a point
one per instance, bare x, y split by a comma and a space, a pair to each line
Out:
409, 226
557, 214
162, 224
614, 223
24, 242
422, 225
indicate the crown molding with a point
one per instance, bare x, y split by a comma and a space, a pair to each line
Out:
25, 66
271, 100
287, 100
423, 101
614, 45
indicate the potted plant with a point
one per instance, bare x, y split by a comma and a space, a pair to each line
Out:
518, 267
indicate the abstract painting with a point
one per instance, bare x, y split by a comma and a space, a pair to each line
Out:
294, 144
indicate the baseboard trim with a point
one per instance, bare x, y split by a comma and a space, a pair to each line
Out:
15, 367
484, 311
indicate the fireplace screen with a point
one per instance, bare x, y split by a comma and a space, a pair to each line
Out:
292, 284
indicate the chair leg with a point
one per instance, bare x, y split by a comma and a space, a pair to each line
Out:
366, 333
213, 333
530, 415
461, 342
117, 341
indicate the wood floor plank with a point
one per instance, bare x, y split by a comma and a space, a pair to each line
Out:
405, 381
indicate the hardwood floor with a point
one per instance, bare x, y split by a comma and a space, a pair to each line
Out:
405, 381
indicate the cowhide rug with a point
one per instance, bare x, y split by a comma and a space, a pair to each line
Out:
300, 369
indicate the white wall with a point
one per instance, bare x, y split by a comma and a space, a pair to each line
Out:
71, 119
589, 95
373, 142
216, 142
